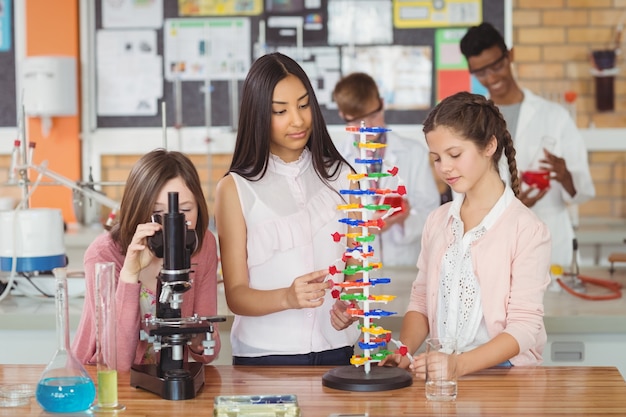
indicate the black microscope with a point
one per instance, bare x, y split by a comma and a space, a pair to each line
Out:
173, 377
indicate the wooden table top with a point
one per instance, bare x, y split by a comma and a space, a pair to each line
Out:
538, 391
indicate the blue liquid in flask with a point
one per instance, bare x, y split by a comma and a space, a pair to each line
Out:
65, 385
66, 394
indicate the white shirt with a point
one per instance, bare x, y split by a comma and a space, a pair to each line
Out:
459, 304
538, 118
290, 216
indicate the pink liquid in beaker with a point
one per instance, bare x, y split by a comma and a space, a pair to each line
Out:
540, 178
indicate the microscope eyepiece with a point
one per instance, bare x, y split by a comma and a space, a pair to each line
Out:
172, 202
174, 243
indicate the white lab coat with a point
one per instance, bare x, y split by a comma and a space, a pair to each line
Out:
401, 244
539, 117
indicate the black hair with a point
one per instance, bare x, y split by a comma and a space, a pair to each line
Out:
481, 37
252, 147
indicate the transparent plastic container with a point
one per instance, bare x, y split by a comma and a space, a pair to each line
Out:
16, 395
256, 405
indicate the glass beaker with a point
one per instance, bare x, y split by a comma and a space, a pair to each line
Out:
65, 385
106, 342
536, 175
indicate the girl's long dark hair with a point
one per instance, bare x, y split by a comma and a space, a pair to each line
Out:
252, 148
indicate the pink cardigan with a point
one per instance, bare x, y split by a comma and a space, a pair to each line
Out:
200, 299
511, 262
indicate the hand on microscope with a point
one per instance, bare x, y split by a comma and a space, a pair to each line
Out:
195, 344
138, 255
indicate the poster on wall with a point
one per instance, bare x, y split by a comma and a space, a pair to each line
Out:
199, 49
451, 71
5, 25
436, 13
321, 64
132, 14
403, 73
295, 22
363, 22
129, 79
220, 7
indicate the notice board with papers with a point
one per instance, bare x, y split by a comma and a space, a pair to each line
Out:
403, 38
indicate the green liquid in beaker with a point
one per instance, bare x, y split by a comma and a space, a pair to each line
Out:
107, 388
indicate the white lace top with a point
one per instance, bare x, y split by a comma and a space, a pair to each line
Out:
459, 306
290, 216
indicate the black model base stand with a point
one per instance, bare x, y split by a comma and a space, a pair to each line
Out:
175, 384
380, 378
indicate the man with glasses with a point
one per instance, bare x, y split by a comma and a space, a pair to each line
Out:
358, 99
533, 122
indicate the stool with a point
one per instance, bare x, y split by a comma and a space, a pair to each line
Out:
616, 257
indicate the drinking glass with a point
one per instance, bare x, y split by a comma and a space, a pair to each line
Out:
441, 375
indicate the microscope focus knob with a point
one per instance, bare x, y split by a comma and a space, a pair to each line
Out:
209, 346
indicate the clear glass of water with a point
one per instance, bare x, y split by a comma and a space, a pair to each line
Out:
441, 371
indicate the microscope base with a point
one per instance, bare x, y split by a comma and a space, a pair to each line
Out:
178, 384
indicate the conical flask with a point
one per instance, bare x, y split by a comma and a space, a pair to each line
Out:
65, 385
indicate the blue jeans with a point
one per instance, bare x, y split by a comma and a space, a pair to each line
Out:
505, 364
335, 357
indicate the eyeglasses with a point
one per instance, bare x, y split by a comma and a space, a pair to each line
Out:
495, 67
365, 116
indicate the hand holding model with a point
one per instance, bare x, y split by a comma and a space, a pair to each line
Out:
308, 290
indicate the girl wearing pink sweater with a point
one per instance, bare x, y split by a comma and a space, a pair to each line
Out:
484, 263
137, 268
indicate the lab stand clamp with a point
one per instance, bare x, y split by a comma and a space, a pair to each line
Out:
369, 202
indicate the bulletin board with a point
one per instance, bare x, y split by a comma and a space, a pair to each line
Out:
185, 99
8, 112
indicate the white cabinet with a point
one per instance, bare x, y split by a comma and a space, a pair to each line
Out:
600, 349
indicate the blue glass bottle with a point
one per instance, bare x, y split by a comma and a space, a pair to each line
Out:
65, 386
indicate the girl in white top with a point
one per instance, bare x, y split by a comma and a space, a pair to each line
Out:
275, 211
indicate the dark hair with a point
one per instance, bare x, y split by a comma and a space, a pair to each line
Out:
354, 91
145, 181
476, 119
481, 37
252, 148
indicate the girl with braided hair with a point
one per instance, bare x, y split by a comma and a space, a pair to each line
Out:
484, 263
